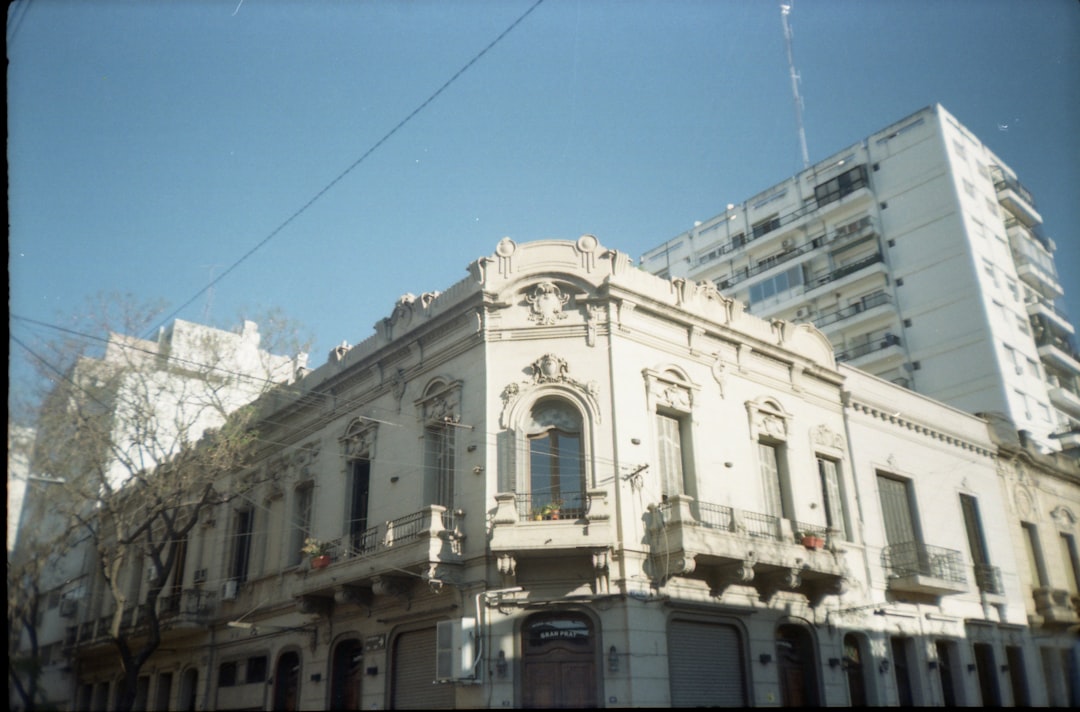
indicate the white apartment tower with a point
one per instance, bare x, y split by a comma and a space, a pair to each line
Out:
919, 253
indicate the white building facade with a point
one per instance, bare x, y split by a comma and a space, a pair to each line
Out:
566, 482
921, 256
161, 396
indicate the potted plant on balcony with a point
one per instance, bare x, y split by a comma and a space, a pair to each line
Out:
551, 509
812, 540
319, 551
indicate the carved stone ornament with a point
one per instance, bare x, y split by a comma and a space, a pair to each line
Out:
550, 368
677, 397
825, 436
1063, 517
359, 439
772, 425
397, 384
546, 302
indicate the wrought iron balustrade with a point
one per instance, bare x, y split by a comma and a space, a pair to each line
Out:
917, 559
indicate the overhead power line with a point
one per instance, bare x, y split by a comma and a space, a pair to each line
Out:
325, 189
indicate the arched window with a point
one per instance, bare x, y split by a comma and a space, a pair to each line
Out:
556, 464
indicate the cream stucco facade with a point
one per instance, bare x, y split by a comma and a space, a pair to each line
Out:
564, 481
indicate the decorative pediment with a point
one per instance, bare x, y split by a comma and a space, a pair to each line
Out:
441, 402
359, 439
669, 388
1063, 517
824, 436
767, 419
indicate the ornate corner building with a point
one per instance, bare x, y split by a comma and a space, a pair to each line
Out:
567, 482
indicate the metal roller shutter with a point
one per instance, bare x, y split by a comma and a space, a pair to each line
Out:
414, 674
706, 665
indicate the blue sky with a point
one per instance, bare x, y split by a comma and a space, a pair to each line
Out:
153, 144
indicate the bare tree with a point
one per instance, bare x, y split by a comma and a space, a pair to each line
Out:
147, 435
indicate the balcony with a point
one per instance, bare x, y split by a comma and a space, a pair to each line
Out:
865, 308
1057, 350
1065, 400
1016, 198
1017, 230
878, 352
1055, 606
913, 567
189, 609
1043, 309
725, 546
524, 526
988, 580
387, 558
1036, 269
839, 273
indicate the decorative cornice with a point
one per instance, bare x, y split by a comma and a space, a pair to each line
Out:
932, 433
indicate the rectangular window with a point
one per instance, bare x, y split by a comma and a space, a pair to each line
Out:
227, 674
1072, 562
1022, 325
439, 464
1037, 566
241, 548
359, 538
988, 267
301, 522
991, 206
771, 467
164, 690
969, 188
256, 670
763, 227
670, 454
829, 472
840, 186
896, 510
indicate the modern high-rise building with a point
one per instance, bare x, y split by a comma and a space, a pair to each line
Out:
919, 253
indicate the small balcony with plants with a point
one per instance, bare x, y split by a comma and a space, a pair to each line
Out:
384, 559
725, 546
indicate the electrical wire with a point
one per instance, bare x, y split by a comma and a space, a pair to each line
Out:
374, 147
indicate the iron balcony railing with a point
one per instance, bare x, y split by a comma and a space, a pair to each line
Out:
917, 559
572, 505
855, 352
844, 271
724, 518
397, 532
1003, 182
988, 579
866, 303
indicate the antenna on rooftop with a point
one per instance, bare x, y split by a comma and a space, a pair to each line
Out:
210, 291
785, 10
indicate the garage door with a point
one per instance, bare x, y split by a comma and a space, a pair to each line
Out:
413, 685
706, 665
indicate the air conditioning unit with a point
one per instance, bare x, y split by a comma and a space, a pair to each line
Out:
200, 576
788, 244
228, 591
455, 650
68, 606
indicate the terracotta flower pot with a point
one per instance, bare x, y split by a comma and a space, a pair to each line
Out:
813, 542
320, 562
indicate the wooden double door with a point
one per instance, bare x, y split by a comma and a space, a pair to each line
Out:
559, 662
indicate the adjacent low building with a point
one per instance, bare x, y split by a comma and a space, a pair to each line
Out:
567, 482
